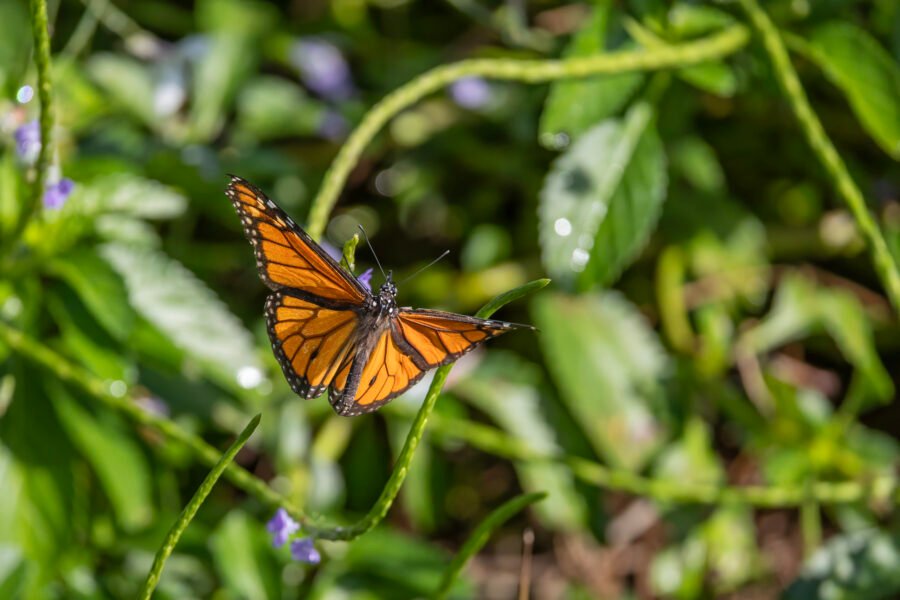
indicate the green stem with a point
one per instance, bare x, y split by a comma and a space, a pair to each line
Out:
824, 149
492, 440
482, 534
41, 37
527, 71
401, 468
673, 312
68, 373
193, 506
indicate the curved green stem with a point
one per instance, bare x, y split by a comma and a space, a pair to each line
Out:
490, 439
824, 149
527, 71
159, 561
482, 534
41, 37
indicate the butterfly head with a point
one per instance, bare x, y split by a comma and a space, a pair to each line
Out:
388, 293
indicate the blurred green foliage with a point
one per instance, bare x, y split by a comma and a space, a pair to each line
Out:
715, 318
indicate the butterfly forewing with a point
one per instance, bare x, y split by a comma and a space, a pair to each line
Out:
285, 255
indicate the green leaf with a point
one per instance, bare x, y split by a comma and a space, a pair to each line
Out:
602, 198
187, 312
128, 195
274, 108
243, 558
15, 44
608, 366
506, 389
99, 287
573, 107
855, 62
117, 460
218, 76
862, 564
127, 82
801, 309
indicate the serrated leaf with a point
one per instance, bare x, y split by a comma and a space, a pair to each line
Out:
855, 62
505, 389
602, 198
185, 310
862, 564
573, 107
608, 366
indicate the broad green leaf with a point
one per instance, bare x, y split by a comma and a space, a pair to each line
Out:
116, 458
273, 108
99, 287
127, 82
241, 552
15, 44
608, 366
187, 312
854, 61
128, 195
602, 198
506, 390
573, 107
861, 564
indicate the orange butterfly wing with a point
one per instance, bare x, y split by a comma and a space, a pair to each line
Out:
417, 340
285, 255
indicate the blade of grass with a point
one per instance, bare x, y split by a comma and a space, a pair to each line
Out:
482, 534
193, 506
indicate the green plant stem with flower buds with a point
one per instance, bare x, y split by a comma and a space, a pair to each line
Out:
159, 561
824, 150
714, 47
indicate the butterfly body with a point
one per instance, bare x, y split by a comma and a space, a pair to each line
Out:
329, 332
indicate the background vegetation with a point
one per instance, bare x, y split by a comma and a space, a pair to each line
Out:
709, 403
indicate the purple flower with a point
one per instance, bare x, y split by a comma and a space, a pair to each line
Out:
471, 92
365, 278
57, 193
303, 550
331, 251
28, 141
322, 68
282, 526
333, 126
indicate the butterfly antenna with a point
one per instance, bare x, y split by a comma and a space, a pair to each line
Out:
446, 252
375, 256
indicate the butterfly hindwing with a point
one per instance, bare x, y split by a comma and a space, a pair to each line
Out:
310, 341
285, 255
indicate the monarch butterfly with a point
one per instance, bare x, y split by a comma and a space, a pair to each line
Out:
328, 331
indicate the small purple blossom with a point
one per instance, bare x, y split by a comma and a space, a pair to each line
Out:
471, 92
282, 526
322, 68
28, 141
365, 278
57, 193
304, 551
333, 126
331, 250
